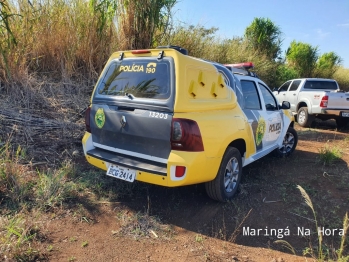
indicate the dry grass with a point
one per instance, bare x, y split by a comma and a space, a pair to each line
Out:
65, 39
14, 177
59, 38
143, 24
142, 225
72, 40
17, 233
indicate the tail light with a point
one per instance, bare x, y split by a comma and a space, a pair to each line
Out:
87, 119
186, 135
324, 101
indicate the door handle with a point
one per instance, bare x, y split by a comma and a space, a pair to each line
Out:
294, 94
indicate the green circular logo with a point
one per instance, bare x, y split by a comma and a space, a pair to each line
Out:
100, 118
260, 131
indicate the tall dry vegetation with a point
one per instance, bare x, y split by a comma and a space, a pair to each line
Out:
143, 24
56, 38
71, 40
342, 76
74, 38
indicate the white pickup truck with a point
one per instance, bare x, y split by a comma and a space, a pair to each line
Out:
315, 97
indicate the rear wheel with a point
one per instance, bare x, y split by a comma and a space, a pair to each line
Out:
289, 143
226, 183
303, 118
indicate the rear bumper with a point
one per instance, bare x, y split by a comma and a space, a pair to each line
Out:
334, 112
199, 168
128, 161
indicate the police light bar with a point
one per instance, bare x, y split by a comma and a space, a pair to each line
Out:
139, 52
246, 65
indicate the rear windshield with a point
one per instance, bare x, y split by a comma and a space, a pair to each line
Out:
328, 85
138, 78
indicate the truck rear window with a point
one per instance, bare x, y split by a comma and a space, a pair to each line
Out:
139, 78
326, 85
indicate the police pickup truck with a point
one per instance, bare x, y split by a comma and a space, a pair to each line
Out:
315, 97
162, 117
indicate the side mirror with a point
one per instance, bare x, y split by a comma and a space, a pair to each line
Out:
285, 105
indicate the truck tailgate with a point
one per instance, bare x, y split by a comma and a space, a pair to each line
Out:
133, 132
338, 100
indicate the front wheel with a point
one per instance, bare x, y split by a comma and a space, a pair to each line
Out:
226, 183
288, 144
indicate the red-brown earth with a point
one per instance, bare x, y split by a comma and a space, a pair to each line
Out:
152, 223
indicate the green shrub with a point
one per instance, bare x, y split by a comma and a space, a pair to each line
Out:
328, 155
53, 188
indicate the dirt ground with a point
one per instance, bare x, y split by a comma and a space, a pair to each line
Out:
112, 220
152, 223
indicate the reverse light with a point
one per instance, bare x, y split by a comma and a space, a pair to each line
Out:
139, 52
186, 136
324, 101
176, 131
87, 119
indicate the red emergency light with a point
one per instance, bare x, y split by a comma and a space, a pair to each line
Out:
138, 52
246, 65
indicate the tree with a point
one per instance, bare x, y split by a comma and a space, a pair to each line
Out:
263, 35
140, 21
198, 40
302, 57
284, 73
327, 65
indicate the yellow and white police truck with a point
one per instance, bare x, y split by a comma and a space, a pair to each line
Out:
162, 117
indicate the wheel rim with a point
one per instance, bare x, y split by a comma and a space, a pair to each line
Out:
301, 117
287, 143
231, 175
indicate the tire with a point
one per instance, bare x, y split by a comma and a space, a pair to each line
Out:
342, 122
226, 183
303, 118
289, 143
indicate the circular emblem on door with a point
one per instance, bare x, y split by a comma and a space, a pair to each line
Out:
260, 130
100, 118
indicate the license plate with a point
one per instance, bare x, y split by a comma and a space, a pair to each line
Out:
122, 173
345, 114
